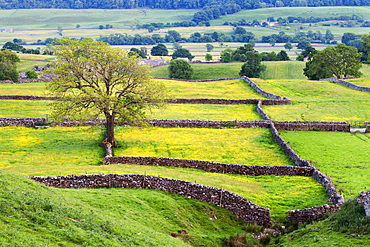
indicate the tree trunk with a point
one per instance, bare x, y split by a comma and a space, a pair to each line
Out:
110, 131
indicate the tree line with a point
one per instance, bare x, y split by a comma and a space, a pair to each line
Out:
172, 4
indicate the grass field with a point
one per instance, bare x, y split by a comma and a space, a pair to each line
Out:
32, 88
38, 108
275, 70
88, 18
23, 108
342, 156
250, 146
207, 112
234, 89
31, 151
34, 215
317, 101
362, 82
263, 14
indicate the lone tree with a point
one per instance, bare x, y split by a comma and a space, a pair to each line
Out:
185, 53
180, 69
339, 61
159, 50
253, 67
93, 79
8, 65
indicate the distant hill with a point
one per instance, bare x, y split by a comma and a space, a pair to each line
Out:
172, 4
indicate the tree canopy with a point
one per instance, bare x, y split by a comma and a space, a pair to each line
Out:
8, 65
253, 66
339, 61
93, 79
180, 69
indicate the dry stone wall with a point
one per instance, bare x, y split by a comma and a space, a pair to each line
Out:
312, 125
209, 124
244, 209
348, 84
310, 214
367, 127
212, 166
23, 81
364, 199
261, 111
26, 97
259, 90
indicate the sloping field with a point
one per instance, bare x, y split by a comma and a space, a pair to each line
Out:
31, 151
317, 101
342, 156
34, 215
234, 89
248, 146
89, 18
362, 82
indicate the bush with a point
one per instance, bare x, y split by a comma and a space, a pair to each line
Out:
31, 74
180, 69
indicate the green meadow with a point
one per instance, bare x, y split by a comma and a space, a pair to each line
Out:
88, 18
30, 151
31, 88
247, 146
39, 108
275, 70
342, 156
284, 12
362, 82
24, 108
316, 101
229, 89
207, 112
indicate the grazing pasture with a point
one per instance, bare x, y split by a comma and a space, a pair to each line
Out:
342, 156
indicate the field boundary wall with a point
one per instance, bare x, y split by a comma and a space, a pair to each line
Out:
244, 209
347, 84
364, 199
312, 125
210, 166
367, 127
309, 214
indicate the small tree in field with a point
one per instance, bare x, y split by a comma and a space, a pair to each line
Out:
208, 57
180, 69
31, 74
93, 79
253, 67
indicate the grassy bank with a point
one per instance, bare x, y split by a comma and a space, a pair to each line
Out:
34, 215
